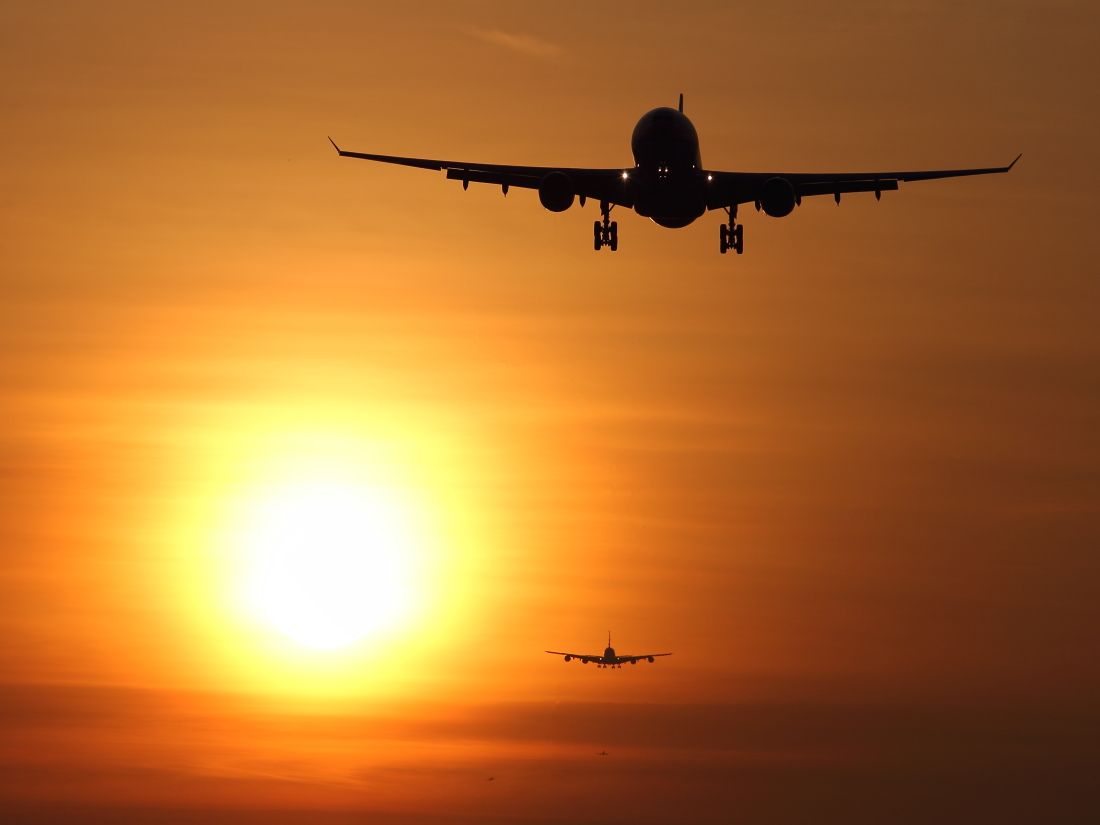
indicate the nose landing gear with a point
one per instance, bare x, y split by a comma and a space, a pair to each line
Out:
731, 235
605, 232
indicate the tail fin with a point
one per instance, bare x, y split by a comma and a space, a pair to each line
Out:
609, 638
681, 107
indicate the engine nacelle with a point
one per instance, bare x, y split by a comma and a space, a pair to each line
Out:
633, 661
556, 191
650, 659
584, 661
777, 197
569, 658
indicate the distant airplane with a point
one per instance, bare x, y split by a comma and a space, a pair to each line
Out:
609, 657
668, 182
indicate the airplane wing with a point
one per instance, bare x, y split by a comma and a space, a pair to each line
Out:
598, 184
589, 656
731, 188
643, 657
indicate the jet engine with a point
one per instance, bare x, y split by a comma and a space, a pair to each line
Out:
569, 658
633, 661
584, 661
777, 197
556, 191
650, 659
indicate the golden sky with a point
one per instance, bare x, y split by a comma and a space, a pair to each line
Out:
850, 479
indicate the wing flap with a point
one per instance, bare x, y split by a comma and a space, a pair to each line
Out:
840, 187
499, 178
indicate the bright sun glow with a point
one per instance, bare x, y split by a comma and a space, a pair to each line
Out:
328, 563
326, 560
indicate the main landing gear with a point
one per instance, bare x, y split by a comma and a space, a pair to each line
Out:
605, 232
732, 235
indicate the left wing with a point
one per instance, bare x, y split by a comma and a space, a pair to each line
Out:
590, 656
730, 188
599, 184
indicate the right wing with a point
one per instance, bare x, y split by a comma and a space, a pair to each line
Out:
599, 184
729, 188
643, 657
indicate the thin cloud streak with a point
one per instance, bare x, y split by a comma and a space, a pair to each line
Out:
523, 44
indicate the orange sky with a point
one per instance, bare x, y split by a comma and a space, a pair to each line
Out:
850, 478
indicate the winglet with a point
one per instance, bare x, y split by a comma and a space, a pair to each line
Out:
681, 106
1007, 168
334, 146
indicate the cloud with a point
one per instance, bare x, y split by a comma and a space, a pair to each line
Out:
522, 43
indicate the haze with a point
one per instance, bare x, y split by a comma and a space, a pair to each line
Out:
850, 478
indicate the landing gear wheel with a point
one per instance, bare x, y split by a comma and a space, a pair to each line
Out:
605, 232
732, 234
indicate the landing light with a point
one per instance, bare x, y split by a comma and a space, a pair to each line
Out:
626, 175
710, 177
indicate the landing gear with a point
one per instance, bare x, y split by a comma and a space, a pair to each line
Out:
605, 232
731, 235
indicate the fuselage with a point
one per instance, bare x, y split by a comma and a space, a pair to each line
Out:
668, 179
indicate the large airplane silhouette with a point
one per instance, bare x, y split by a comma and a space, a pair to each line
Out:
668, 182
609, 658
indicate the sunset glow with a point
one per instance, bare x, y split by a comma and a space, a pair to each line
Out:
306, 460
318, 559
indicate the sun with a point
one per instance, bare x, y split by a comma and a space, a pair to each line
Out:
326, 555
327, 562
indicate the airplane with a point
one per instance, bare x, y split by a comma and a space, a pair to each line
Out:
668, 182
609, 658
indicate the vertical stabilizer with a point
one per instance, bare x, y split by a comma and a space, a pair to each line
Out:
609, 638
681, 106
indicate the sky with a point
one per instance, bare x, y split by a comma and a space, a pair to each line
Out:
850, 479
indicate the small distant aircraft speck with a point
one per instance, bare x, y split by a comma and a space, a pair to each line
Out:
609, 658
668, 182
